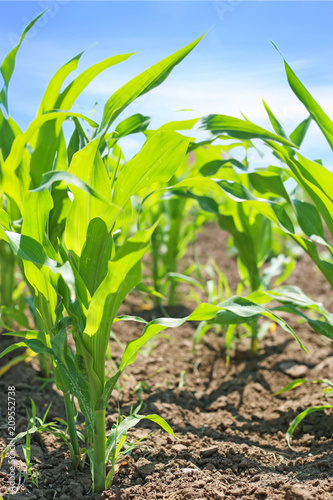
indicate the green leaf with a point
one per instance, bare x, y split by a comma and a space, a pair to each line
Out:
96, 253
28, 249
246, 308
46, 146
8, 131
72, 181
268, 183
298, 135
15, 182
120, 430
291, 385
8, 65
182, 278
35, 211
316, 180
241, 129
246, 246
67, 98
28, 334
35, 345
73, 379
157, 161
4, 224
309, 218
142, 84
300, 417
180, 125
240, 307
236, 310
131, 125
87, 165
53, 89
126, 317
274, 121
212, 168
316, 112
268, 208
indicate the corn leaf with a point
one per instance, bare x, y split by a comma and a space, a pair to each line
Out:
128, 423
298, 135
274, 121
239, 306
142, 84
300, 417
88, 166
316, 112
53, 89
47, 142
236, 310
157, 161
8, 131
15, 181
291, 385
8, 65
35, 345
241, 129
72, 180
97, 251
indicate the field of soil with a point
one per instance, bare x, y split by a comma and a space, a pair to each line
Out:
230, 427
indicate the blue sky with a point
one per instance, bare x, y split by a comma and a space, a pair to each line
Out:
229, 72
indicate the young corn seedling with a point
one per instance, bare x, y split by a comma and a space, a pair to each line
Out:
328, 391
78, 270
35, 424
290, 298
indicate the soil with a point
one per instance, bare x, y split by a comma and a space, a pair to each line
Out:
230, 427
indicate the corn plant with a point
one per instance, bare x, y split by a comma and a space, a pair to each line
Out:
328, 391
79, 279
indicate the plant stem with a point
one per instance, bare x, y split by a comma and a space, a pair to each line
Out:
75, 450
254, 336
45, 362
7, 266
155, 254
99, 470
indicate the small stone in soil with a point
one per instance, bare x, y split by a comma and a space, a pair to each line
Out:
208, 452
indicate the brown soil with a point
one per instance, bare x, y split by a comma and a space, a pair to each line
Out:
230, 426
